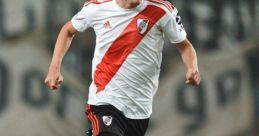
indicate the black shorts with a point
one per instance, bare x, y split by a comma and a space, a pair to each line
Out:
106, 120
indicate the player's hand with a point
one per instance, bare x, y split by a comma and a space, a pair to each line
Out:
54, 80
193, 77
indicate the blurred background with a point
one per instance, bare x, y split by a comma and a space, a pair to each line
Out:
225, 34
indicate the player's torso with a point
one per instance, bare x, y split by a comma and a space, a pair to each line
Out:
128, 56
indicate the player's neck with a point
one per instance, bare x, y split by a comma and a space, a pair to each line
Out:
128, 4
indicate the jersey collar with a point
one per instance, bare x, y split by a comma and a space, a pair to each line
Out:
139, 7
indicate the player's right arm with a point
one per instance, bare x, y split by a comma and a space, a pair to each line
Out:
79, 23
54, 77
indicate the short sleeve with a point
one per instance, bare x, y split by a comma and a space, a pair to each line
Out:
82, 20
173, 27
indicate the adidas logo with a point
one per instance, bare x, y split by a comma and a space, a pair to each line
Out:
107, 25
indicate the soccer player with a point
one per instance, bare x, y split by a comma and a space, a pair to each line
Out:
127, 58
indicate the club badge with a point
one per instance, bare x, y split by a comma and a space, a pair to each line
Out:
107, 120
142, 25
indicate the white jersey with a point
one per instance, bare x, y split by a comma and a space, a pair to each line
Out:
128, 52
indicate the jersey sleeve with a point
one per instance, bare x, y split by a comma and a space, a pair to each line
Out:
173, 27
82, 20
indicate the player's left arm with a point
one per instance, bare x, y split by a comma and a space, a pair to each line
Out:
174, 30
189, 58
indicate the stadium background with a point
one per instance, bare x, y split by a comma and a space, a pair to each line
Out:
224, 32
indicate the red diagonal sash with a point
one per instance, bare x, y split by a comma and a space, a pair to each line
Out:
123, 46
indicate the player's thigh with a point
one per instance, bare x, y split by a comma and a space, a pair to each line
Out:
137, 127
103, 122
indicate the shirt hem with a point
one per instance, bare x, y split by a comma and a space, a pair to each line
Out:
118, 107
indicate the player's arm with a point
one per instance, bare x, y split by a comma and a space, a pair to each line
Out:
189, 58
54, 77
